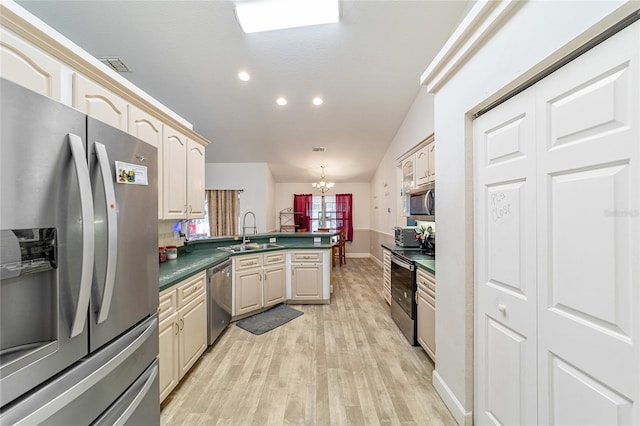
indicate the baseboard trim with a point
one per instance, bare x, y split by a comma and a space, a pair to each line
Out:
462, 417
359, 255
376, 260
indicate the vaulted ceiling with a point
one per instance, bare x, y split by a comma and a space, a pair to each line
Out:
187, 55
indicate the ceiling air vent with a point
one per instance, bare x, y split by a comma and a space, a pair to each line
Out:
115, 64
318, 149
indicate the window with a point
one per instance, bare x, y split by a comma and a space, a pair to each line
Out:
329, 210
199, 228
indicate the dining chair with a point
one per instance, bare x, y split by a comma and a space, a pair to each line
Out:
339, 251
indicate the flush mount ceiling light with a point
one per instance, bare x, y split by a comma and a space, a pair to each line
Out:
268, 15
323, 185
281, 101
244, 76
317, 101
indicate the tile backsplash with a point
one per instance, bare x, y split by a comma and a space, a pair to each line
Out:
166, 236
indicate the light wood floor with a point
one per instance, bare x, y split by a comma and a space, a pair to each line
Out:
340, 364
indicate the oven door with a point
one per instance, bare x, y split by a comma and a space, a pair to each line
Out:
403, 285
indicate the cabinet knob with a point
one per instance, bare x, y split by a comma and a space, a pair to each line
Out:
502, 308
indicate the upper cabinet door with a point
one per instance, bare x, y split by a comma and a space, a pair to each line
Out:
99, 103
431, 153
143, 126
149, 129
29, 67
195, 179
174, 166
422, 166
408, 176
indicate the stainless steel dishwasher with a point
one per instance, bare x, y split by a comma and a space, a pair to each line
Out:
218, 299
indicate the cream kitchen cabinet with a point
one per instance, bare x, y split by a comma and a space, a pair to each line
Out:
431, 155
248, 284
183, 330
418, 168
426, 301
149, 129
259, 281
195, 179
183, 176
99, 103
29, 67
386, 275
275, 283
422, 166
306, 276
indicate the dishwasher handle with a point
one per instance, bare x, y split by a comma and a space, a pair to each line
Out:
220, 267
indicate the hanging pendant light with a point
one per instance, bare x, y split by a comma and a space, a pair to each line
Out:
323, 185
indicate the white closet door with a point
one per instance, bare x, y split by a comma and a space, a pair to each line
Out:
589, 221
505, 264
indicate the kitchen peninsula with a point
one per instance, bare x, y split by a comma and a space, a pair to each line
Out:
270, 269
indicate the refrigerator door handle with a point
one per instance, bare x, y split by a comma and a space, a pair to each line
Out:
88, 235
112, 231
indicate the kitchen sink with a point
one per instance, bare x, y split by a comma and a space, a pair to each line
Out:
238, 248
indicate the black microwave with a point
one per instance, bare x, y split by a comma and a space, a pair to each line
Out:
422, 205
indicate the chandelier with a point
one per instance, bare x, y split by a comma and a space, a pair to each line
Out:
323, 185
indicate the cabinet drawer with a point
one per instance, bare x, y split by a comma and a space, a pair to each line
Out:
426, 279
306, 256
247, 261
167, 304
191, 289
273, 258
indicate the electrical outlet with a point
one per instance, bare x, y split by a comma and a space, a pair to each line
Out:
272, 240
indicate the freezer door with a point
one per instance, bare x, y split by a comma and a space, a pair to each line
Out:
125, 286
139, 405
44, 236
84, 393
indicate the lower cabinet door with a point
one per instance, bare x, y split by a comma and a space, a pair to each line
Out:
427, 323
274, 285
193, 332
168, 354
248, 291
306, 282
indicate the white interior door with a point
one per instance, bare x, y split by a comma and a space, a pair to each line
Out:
505, 264
558, 216
588, 257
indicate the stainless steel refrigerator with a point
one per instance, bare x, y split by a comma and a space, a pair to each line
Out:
78, 268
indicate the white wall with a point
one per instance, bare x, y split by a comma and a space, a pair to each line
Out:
256, 181
385, 185
531, 34
272, 223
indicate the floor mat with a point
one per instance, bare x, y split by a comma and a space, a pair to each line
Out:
268, 320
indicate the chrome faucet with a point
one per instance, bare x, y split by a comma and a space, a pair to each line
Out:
244, 228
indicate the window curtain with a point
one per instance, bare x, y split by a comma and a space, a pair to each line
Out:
344, 214
223, 212
303, 203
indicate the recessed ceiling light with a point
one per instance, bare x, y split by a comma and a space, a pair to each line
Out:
244, 76
317, 101
281, 101
257, 16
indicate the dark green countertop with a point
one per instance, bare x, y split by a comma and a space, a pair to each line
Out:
200, 255
428, 263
